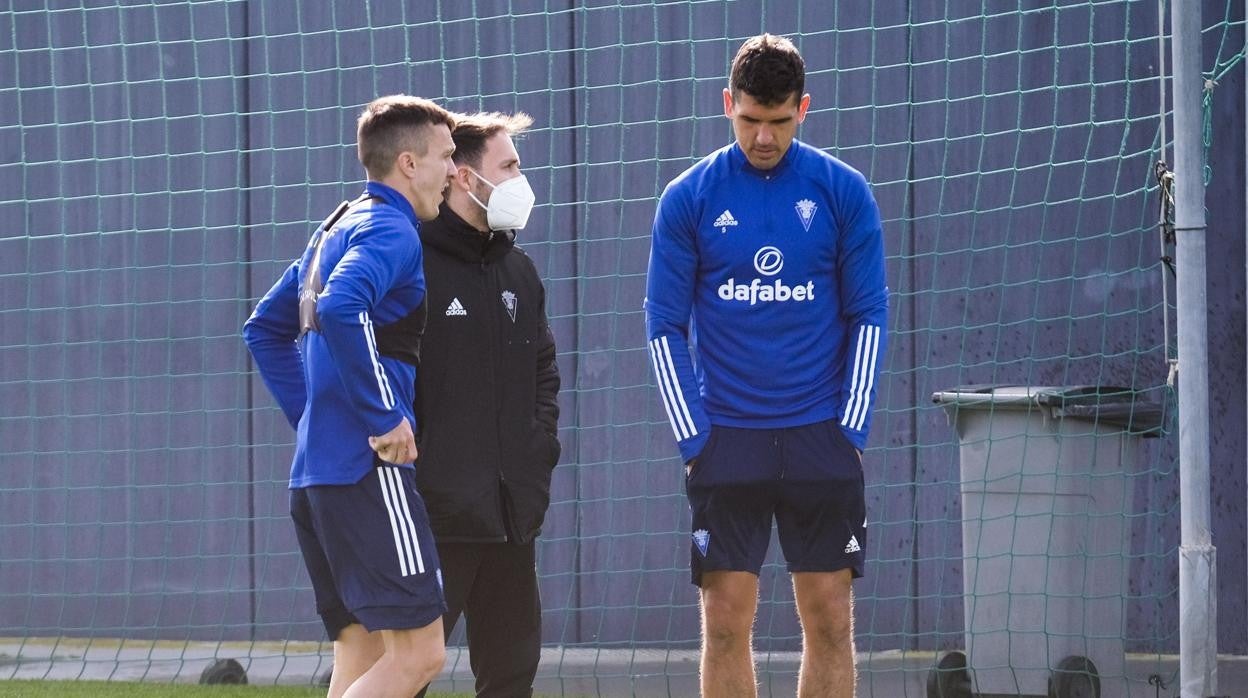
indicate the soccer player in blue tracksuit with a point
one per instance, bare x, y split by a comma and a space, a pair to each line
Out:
336, 341
767, 265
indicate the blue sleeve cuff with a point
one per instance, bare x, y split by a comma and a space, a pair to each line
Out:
858, 439
691, 448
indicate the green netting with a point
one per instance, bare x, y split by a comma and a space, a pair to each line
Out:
164, 160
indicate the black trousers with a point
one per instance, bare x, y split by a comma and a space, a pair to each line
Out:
494, 586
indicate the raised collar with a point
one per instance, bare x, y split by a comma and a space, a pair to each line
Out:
391, 196
790, 156
453, 235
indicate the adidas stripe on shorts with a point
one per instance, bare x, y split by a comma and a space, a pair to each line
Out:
370, 552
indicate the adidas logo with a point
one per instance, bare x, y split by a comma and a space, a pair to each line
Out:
725, 219
853, 546
455, 308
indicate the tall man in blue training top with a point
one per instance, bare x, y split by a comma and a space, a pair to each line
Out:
336, 341
767, 260
487, 404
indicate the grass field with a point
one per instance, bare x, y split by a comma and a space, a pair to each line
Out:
123, 689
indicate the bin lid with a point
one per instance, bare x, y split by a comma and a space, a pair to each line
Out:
1111, 405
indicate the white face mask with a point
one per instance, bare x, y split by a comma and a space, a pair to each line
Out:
511, 202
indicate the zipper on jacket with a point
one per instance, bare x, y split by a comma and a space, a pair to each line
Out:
775, 444
506, 513
495, 339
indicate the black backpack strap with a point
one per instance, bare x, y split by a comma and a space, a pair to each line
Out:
401, 339
311, 285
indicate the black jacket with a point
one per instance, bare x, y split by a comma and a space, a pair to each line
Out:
486, 407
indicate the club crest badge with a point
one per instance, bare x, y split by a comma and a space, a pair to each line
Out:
702, 539
806, 211
509, 302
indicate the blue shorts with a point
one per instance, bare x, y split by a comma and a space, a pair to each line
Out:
808, 478
370, 552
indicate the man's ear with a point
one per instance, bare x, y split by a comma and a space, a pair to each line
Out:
802, 105
463, 177
405, 164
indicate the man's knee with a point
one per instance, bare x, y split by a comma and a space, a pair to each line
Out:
830, 632
726, 621
418, 654
434, 662
416, 670
826, 608
423, 664
723, 636
435, 657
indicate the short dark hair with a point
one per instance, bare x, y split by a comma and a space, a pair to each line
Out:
473, 130
392, 124
769, 69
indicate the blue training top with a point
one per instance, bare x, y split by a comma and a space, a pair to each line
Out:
332, 384
774, 279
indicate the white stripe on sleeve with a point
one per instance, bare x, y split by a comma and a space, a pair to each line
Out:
665, 391
868, 350
852, 403
680, 395
379, 371
669, 389
870, 375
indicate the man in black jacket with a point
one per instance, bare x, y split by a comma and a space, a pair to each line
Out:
486, 405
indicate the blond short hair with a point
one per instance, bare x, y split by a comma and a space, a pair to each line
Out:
393, 124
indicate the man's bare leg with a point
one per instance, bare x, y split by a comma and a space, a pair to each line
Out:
729, 601
411, 659
825, 604
355, 652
